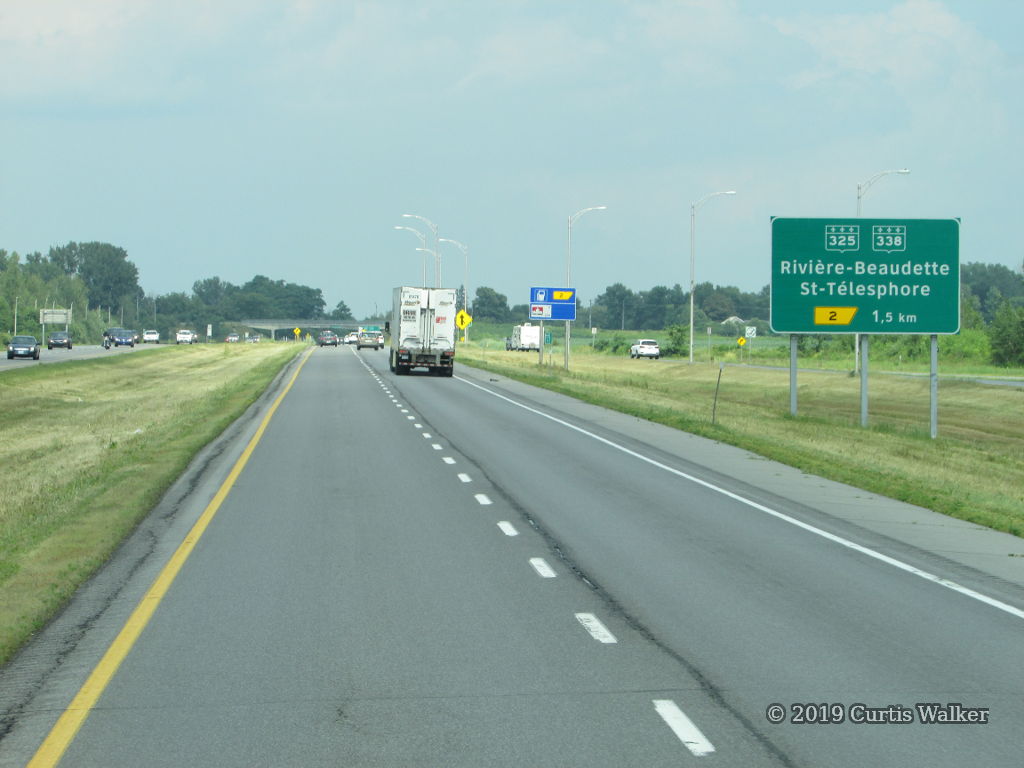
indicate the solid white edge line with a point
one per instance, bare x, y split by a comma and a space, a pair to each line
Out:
507, 528
906, 567
481, 498
542, 568
683, 727
597, 630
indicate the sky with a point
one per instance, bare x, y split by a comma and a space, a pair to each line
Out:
230, 138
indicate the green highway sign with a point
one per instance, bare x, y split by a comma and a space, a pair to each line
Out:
865, 276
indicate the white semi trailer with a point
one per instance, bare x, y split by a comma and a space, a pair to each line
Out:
423, 330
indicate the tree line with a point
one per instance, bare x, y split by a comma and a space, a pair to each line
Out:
991, 308
101, 285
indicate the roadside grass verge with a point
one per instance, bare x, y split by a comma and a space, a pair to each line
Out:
88, 449
973, 471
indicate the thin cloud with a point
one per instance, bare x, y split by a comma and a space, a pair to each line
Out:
546, 53
913, 42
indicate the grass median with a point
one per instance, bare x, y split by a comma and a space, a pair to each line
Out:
974, 470
90, 447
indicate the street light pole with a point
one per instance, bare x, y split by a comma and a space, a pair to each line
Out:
568, 267
465, 279
423, 244
693, 238
862, 189
437, 246
423, 259
15, 315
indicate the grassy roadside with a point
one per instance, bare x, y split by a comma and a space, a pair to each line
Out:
89, 448
973, 471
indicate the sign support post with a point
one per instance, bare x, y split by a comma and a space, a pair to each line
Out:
793, 340
934, 387
864, 337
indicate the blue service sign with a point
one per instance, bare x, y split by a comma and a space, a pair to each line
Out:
553, 296
552, 311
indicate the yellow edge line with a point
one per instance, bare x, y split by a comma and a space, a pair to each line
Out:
69, 723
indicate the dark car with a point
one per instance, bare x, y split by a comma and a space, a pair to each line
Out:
118, 337
23, 346
327, 337
59, 339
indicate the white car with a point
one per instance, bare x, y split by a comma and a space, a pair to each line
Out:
185, 336
151, 337
645, 348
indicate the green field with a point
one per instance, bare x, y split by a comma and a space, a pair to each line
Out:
89, 448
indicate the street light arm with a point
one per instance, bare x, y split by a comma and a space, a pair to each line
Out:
428, 222
585, 210
704, 199
456, 243
420, 235
863, 187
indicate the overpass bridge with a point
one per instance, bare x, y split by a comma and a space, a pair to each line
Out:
288, 326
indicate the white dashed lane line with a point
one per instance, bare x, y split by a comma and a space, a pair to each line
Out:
597, 630
542, 568
683, 727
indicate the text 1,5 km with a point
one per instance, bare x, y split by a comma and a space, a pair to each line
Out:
893, 317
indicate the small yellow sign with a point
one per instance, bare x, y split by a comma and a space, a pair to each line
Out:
562, 295
741, 341
834, 315
462, 319
296, 331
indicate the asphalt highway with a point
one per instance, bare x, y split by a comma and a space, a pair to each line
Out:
420, 571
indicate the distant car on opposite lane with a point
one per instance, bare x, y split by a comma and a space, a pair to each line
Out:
231, 338
185, 336
151, 337
23, 346
118, 337
59, 339
645, 348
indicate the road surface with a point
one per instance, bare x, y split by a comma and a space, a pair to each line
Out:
420, 571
